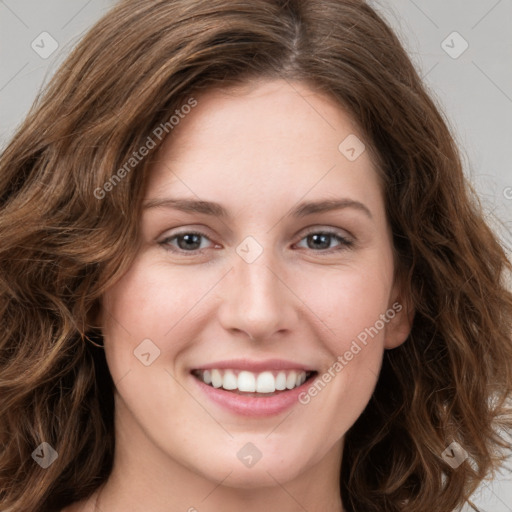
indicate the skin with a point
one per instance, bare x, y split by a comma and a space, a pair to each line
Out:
258, 150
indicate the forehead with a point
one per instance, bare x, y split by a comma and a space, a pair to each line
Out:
266, 139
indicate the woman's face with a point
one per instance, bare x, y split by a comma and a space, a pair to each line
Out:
266, 293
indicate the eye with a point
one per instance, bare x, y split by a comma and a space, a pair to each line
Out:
187, 241
190, 241
321, 240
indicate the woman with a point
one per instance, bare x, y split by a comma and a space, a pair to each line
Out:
174, 338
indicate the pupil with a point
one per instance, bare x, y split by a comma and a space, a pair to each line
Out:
187, 239
325, 237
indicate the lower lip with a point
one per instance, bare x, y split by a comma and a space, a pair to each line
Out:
246, 405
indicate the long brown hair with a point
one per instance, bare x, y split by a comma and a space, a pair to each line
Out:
63, 243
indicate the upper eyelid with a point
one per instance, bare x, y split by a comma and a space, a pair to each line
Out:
329, 230
308, 230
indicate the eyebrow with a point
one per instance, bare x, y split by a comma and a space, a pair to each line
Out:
215, 209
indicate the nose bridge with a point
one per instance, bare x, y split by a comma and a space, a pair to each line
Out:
258, 279
256, 269
257, 301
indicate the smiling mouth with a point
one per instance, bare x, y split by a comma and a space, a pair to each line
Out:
255, 384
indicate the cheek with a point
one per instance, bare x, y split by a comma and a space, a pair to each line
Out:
350, 304
144, 306
147, 312
349, 301
151, 302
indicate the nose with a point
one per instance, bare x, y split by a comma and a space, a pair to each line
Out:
257, 300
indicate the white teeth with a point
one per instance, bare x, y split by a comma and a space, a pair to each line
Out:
264, 382
281, 381
216, 379
246, 381
291, 380
230, 381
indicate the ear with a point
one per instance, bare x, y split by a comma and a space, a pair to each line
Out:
400, 325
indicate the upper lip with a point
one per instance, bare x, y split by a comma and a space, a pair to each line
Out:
256, 366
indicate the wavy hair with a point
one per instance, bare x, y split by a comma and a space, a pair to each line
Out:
62, 246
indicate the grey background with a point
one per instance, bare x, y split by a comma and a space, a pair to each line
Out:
474, 90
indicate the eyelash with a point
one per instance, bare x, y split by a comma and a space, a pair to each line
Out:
345, 243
